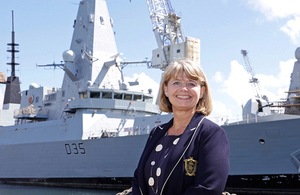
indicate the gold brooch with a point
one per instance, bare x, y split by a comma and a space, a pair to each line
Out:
190, 166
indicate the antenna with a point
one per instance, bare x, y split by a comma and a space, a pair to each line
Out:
12, 50
12, 90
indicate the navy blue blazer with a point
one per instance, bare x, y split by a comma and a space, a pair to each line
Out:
206, 143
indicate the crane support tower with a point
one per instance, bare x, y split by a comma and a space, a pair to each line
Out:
253, 80
169, 36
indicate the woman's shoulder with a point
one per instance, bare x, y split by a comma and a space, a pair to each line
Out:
210, 123
205, 122
210, 127
210, 132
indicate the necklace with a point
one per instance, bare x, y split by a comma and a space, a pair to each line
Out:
162, 150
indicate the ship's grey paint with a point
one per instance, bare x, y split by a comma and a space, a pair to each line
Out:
106, 157
70, 133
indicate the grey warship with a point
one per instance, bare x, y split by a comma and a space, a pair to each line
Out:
92, 130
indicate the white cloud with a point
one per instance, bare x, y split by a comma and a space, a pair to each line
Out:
218, 77
220, 112
267, 83
292, 29
275, 87
286, 9
273, 9
268, 80
286, 68
145, 83
237, 85
220, 108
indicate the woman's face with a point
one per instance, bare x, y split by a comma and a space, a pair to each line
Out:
183, 92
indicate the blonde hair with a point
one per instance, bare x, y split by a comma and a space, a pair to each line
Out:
192, 71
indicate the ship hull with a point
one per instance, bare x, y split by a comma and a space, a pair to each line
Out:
264, 148
261, 157
95, 158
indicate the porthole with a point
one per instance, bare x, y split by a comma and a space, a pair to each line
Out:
262, 141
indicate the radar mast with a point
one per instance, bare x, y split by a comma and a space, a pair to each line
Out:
12, 90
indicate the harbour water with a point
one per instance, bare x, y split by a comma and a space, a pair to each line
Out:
42, 190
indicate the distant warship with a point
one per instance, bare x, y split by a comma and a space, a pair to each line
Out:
92, 130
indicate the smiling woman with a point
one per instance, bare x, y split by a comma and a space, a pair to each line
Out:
193, 75
189, 154
184, 93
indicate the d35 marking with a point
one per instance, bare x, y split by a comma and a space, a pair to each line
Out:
74, 148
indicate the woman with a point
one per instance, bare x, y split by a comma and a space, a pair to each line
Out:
189, 154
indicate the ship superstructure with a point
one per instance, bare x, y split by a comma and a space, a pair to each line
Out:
92, 82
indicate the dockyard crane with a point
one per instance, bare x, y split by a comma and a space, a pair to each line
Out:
166, 24
169, 36
253, 80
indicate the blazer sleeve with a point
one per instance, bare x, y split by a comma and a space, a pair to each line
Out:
135, 185
213, 160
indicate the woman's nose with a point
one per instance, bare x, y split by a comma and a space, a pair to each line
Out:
184, 87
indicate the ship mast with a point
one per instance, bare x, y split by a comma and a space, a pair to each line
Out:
12, 90
13, 49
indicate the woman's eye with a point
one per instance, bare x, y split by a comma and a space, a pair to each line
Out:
192, 84
176, 83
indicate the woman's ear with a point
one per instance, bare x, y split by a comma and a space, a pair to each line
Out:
202, 91
166, 90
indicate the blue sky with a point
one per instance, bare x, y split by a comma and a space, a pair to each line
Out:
269, 30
